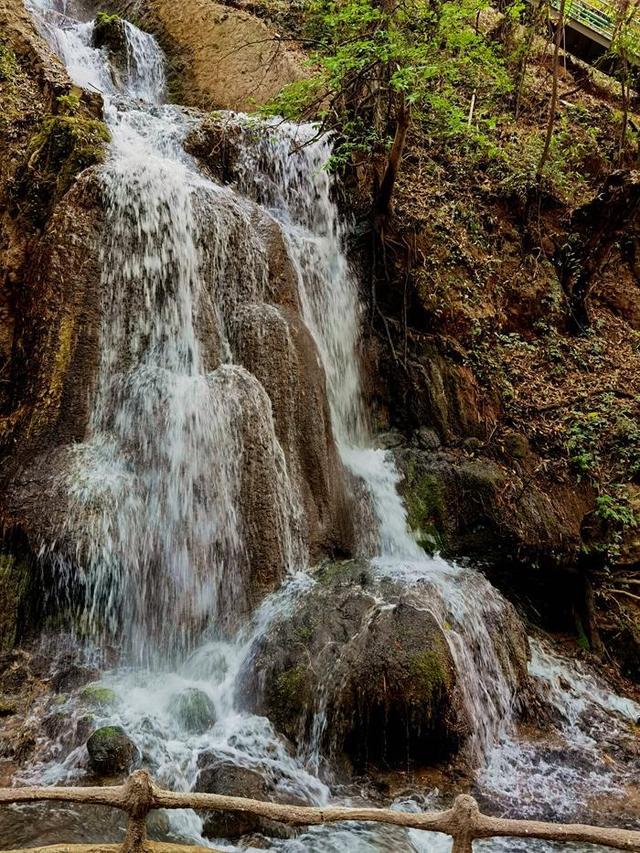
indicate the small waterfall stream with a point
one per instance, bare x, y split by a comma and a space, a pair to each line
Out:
157, 488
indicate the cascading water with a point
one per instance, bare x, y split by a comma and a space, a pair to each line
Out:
158, 487
287, 175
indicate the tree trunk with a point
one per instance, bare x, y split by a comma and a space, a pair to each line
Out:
384, 195
553, 106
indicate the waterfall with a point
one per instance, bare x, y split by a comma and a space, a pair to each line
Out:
157, 486
282, 167
183, 436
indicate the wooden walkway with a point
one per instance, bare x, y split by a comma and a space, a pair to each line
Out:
463, 822
590, 28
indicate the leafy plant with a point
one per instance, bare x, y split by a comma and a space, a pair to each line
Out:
379, 66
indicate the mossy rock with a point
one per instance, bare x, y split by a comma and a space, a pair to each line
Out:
63, 147
8, 63
98, 696
9, 706
425, 499
374, 662
111, 751
193, 710
109, 33
15, 577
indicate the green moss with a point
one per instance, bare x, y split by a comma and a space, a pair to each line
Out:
305, 633
290, 695
194, 710
107, 734
344, 571
109, 32
98, 696
425, 502
290, 683
14, 586
583, 640
63, 147
431, 678
8, 63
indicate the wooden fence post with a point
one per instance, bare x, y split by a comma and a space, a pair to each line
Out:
464, 822
139, 796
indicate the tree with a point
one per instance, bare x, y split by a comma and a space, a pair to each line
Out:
379, 66
553, 103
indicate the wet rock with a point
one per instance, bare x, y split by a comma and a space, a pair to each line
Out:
109, 32
57, 331
223, 777
98, 696
194, 710
158, 824
111, 751
517, 445
382, 673
14, 585
390, 439
427, 439
69, 675
475, 506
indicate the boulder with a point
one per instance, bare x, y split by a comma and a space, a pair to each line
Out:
381, 687
464, 503
109, 33
111, 751
219, 776
97, 696
194, 710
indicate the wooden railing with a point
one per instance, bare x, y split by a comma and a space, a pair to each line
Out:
463, 821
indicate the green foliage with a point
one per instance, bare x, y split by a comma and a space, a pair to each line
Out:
609, 431
615, 511
583, 444
68, 104
368, 58
98, 696
607, 439
109, 32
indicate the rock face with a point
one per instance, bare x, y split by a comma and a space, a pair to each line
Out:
111, 751
14, 585
463, 503
364, 669
51, 134
227, 58
48, 227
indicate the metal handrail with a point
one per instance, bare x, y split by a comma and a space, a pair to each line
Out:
464, 821
596, 15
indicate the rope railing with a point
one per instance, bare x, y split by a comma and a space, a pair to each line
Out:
464, 821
